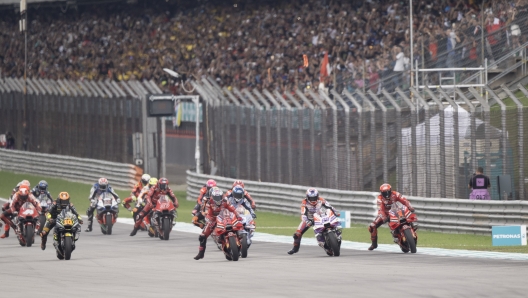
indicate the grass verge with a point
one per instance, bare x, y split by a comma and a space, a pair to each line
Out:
267, 222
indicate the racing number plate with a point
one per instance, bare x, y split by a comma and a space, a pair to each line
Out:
68, 221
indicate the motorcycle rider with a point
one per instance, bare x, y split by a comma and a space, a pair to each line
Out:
142, 200
386, 198
236, 197
216, 203
98, 188
22, 196
246, 194
7, 205
311, 204
136, 190
161, 188
41, 188
62, 202
203, 196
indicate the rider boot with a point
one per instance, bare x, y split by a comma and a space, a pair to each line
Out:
134, 231
44, 238
296, 243
90, 213
201, 251
6, 231
373, 237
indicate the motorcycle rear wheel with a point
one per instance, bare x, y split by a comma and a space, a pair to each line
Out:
410, 240
167, 227
68, 247
109, 223
30, 232
244, 248
334, 244
233, 248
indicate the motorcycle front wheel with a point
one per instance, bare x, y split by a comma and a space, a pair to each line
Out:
68, 247
167, 227
410, 240
333, 243
244, 248
30, 232
233, 248
109, 223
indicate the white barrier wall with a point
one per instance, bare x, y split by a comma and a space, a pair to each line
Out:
120, 175
442, 215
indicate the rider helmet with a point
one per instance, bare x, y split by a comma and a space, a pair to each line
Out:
152, 181
145, 179
238, 182
25, 182
312, 196
64, 199
103, 183
210, 184
238, 193
43, 186
23, 192
386, 190
163, 184
216, 195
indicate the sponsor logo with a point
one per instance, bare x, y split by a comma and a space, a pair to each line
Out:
507, 236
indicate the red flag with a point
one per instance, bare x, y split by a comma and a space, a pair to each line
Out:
325, 67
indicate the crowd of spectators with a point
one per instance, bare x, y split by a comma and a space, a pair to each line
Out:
259, 44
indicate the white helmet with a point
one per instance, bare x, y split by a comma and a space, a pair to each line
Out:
145, 179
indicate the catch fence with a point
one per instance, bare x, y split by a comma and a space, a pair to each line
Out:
425, 144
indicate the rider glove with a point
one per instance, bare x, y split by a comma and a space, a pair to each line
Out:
254, 215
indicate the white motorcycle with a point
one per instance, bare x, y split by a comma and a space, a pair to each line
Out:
107, 210
246, 234
327, 225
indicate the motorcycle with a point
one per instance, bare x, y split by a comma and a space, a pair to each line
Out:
45, 203
227, 229
107, 209
28, 222
66, 230
328, 224
402, 228
245, 234
163, 217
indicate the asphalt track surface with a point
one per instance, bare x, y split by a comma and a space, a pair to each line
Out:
140, 266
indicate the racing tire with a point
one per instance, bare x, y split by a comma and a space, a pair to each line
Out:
109, 223
244, 248
68, 247
167, 227
410, 240
233, 248
334, 244
30, 232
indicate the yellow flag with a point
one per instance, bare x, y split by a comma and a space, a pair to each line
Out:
179, 114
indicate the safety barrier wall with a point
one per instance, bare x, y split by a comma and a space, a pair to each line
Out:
434, 214
120, 175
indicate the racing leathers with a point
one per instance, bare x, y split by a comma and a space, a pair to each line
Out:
212, 210
51, 219
15, 207
37, 192
152, 199
6, 207
95, 192
384, 206
199, 208
246, 195
134, 195
307, 211
246, 205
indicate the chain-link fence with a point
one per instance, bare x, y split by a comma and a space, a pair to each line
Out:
84, 119
425, 145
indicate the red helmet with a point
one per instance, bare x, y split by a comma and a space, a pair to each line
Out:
238, 182
163, 184
23, 191
386, 190
210, 184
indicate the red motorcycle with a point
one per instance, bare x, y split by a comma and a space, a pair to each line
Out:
402, 228
163, 217
28, 222
226, 231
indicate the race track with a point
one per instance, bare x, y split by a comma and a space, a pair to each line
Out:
124, 266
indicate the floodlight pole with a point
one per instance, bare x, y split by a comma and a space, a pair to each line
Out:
196, 101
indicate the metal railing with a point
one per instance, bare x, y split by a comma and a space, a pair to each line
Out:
434, 214
120, 175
